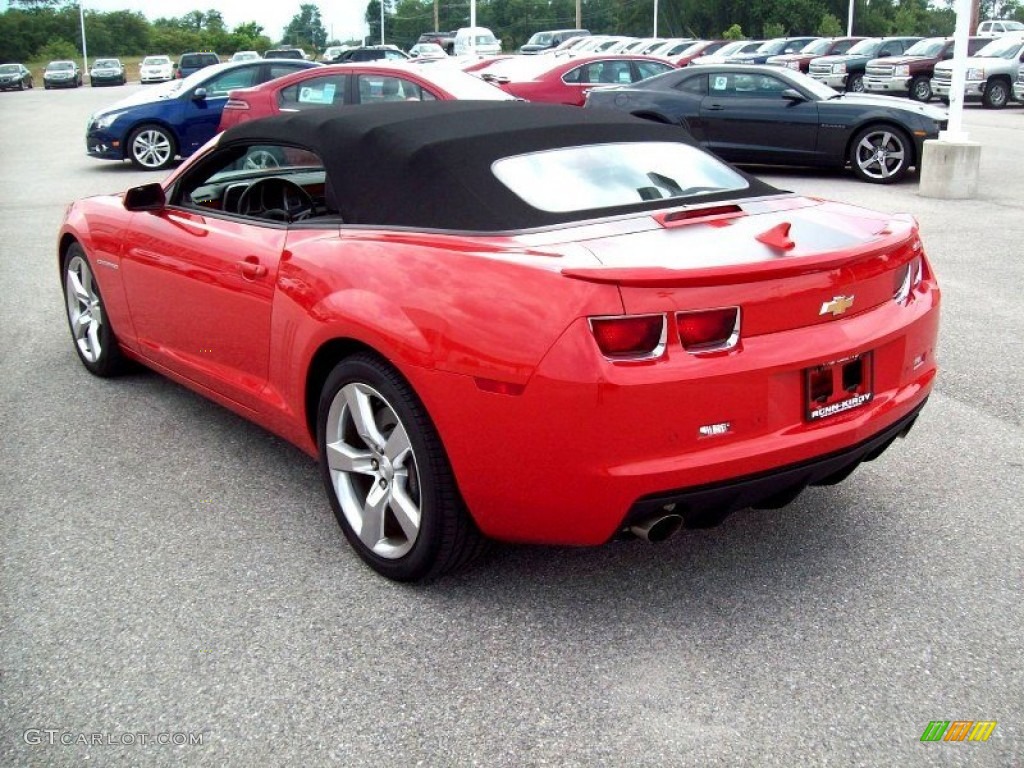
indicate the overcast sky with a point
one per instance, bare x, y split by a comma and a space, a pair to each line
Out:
342, 19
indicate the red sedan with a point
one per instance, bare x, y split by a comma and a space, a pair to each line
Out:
559, 80
526, 322
355, 84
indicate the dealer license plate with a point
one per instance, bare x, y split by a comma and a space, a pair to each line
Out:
837, 387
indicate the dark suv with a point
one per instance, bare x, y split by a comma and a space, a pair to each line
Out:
372, 53
445, 39
285, 53
193, 62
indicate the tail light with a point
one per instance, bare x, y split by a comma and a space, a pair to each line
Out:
633, 337
907, 279
236, 104
709, 330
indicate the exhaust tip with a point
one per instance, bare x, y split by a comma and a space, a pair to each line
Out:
657, 529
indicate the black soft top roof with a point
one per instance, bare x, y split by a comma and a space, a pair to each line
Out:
428, 164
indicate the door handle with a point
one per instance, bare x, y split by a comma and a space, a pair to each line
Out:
715, 107
251, 268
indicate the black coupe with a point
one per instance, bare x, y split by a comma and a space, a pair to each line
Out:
767, 115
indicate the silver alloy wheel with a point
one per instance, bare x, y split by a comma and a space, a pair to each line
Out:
151, 148
260, 159
880, 154
84, 308
921, 89
373, 470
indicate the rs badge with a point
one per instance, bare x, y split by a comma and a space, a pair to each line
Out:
837, 306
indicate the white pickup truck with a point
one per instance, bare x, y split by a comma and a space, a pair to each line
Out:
991, 72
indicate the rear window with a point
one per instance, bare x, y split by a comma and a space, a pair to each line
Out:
597, 176
199, 59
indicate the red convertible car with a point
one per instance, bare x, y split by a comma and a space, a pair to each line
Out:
513, 321
354, 84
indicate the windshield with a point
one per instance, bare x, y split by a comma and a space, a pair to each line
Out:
8, 69
772, 46
59, 66
808, 83
541, 38
1002, 48
818, 46
155, 61
609, 175
101, 63
866, 47
930, 47
730, 48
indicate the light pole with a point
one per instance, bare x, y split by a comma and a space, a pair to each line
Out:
85, 53
382, 22
655, 19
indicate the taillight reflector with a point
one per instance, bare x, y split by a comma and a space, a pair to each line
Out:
636, 337
709, 330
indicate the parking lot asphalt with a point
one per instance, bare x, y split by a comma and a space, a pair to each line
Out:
169, 569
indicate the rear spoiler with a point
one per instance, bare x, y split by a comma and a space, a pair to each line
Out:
902, 231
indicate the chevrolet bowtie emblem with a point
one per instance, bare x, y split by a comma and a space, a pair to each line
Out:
837, 306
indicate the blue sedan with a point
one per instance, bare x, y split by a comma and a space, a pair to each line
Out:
154, 127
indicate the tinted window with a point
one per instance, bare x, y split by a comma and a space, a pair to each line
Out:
277, 70
843, 46
607, 175
742, 85
647, 69
315, 92
698, 86
612, 71
229, 81
377, 88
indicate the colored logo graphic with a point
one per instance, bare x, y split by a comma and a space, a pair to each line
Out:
958, 730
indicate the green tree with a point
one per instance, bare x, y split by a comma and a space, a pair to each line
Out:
306, 29
734, 33
57, 49
830, 26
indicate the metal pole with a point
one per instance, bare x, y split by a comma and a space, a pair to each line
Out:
849, 21
472, 27
954, 130
85, 53
655, 19
579, 14
382, 22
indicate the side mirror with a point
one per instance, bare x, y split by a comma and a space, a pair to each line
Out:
199, 94
148, 197
793, 95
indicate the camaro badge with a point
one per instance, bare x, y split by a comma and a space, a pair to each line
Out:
837, 306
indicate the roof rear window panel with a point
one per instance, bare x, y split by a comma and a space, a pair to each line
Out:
596, 176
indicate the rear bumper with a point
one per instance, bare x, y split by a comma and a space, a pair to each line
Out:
708, 505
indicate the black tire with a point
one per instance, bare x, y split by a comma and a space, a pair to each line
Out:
997, 93
855, 84
444, 537
94, 338
151, 147
21, 85
944, 100
881, 154
921, 89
